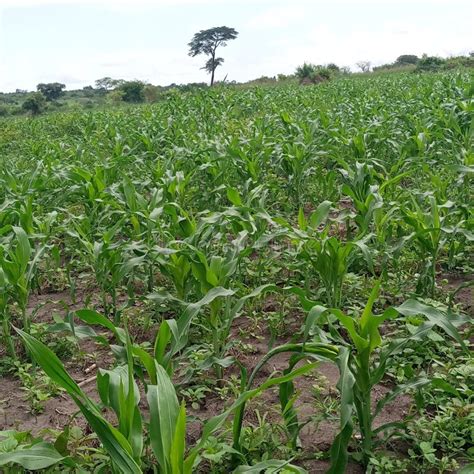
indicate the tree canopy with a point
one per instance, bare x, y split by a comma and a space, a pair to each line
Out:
364, 66
107, 83
51, 90
133, 91
35, 103
207, 41
407, 59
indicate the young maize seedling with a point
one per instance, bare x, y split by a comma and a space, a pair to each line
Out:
360, 371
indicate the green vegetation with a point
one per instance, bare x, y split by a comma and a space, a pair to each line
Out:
51, 91
35, 103
312, 74
207, 41
109, 92
243, 279
411, 62
132, 91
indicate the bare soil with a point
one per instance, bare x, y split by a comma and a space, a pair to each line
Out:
315, 437
465, 296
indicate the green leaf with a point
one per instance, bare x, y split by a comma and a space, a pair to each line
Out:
390, 396
441, 384
38, 456
320, 214
113, 441
128, 266
339, 454
302, 223
234, 197
270, 466
191, 311
414, 308
179, 442
315, 313
148, 362
50, 363
23, 248
62, 441
467, 469
348, 322
365, 252
367, 313
164, 412
93, 317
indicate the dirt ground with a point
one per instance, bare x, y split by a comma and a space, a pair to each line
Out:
465, 296
316, 436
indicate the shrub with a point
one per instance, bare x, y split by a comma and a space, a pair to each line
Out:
407, 59
313, 74
35, 103
133, 91
429, 63
4, 110
52, 90
151, 93
115, 96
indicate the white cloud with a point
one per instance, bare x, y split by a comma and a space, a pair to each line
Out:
131, 3
289, 3
310, 34
121, 4
278, 17
154, 65
380, 45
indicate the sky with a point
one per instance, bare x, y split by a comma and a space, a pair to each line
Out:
78, 41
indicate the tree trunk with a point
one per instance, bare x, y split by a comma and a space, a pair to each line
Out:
212, 76
213, 66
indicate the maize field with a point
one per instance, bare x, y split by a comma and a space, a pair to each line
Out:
251, 280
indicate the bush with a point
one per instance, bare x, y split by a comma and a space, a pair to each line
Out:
429, 63
88, 104
151, 93
313, 74
407, 59
133, 91
459, 61
262, 80
410, 62
4, 110
192, 86
115, 96
51, 91
285, 77
35, 103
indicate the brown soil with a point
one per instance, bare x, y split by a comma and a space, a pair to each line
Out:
14, 409
465, 296
315, 436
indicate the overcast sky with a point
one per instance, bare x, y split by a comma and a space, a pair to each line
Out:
79, 41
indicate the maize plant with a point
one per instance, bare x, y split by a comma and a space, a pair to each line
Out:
360, 371
126, 444
18, 261
216, 242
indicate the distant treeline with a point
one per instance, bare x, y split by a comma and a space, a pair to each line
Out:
427, 63
111, 92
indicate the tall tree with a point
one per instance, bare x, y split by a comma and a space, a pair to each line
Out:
51, 90
35, 103
133, 91
207, 41
107, 83
407, 59
364, 66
